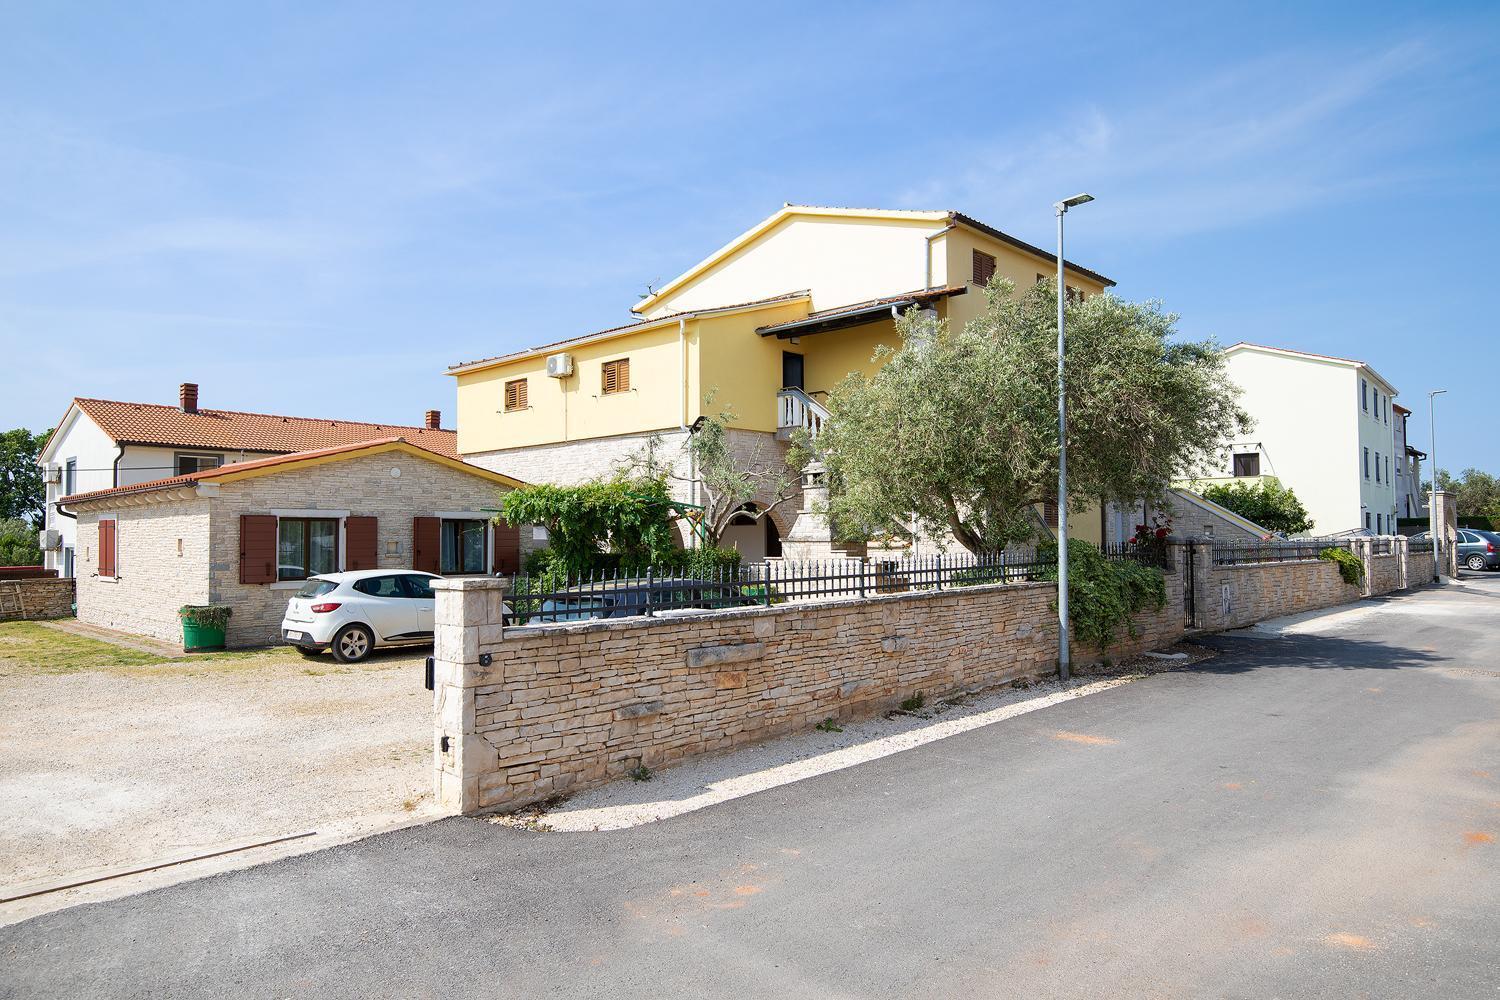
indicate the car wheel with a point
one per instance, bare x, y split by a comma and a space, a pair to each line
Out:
1476, 562
309, 652
352, 644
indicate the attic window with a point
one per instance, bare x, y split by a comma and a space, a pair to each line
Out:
984, 267
515, 395
615, 376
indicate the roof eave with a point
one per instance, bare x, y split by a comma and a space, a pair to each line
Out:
1036, 251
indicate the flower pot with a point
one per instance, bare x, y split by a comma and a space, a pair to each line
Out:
201, 638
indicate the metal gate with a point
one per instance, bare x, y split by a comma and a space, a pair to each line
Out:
1189, 585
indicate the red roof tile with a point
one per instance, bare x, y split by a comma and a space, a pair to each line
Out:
150, 423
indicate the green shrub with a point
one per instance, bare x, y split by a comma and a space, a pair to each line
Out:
205, 615
1104, 595
1351, 567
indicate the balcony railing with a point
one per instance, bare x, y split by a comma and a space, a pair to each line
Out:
796, 409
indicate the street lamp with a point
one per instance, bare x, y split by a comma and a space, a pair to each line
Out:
1432, 516
1063, 656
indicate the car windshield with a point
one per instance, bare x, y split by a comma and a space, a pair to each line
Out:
316, 588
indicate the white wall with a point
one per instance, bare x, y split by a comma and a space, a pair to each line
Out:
1377, 434
78, 438
1307, 419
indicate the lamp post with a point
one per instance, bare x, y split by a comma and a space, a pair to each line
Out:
1432, 513
1063, 654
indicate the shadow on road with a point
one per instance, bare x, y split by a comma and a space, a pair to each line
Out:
1243, 652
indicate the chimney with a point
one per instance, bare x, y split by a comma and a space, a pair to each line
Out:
187, 397
434, 421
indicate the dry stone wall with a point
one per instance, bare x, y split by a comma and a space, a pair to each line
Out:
35, 598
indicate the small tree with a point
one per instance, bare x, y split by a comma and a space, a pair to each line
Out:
1268, 504
22, 493
18, 543
626, 522
958, 430
725, 485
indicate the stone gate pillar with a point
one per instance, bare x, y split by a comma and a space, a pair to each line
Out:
469, 618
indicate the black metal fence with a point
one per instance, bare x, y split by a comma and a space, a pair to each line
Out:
548, 598
1419, 544
1276, 550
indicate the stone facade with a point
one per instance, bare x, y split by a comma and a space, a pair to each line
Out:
526, 713
35, 598
1384, 574
570, 463
176, 547
162, 560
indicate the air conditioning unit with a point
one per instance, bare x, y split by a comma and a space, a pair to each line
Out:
560, 365
50, 540
52, 473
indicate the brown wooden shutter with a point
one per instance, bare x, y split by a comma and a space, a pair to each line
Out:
1049, 513
984, 267
507, 549
616, 376
107, 535
257, 548
515, 394
427, 544
360, 536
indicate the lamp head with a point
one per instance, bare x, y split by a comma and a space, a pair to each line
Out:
1073, 202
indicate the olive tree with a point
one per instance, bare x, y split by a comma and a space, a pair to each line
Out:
957, 429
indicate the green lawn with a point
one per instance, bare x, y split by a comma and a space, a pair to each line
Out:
32, 648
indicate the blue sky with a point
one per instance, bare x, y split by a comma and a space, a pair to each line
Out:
314, 208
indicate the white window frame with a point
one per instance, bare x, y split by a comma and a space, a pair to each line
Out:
301, 512
489, 536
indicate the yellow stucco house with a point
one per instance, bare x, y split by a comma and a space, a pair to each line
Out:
770, 323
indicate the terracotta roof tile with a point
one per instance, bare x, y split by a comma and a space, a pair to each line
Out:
151, 423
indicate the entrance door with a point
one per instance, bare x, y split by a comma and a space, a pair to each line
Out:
791, 370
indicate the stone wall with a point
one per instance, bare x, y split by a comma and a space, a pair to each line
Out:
526, 713
33, 598
162, 559
1419, 569
1384, 573
1238, 595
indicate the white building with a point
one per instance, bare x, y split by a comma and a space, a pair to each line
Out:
1410, 500
103, 443
1325, 428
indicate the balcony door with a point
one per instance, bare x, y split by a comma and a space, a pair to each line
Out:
791, 371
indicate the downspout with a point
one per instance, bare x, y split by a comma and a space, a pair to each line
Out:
927, 262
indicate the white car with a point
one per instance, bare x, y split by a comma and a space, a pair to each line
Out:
353, 613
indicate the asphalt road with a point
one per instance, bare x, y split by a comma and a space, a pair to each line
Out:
1305, 816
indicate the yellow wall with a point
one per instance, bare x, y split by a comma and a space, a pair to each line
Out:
740, 367
1021, 268
840, 259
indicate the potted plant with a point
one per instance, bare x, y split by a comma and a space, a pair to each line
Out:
203, 626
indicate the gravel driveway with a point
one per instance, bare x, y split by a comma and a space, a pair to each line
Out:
115, 766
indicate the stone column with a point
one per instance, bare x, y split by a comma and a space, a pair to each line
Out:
1403, 576
469, 622
1447, 522
1364, 548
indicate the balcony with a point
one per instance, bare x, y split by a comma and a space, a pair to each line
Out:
796, 410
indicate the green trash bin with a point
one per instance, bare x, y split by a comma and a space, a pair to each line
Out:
203, 626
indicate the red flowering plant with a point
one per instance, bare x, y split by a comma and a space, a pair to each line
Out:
1152, 537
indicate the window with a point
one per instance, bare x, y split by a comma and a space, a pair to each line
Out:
381, 586
1387, 468
462, 546
984, 267
186, 465
1379, 528
515, 395
68, 561
1367, 463
419, 587
1385, 411
1377, 466
1367, 520
306, 546
1247, 464
1075, 295
70, 477
615, 376
1364, 395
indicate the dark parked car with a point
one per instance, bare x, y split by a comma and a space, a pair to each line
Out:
1476, 549
623, 598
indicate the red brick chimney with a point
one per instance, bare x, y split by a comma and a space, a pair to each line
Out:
187, 397
434, 420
